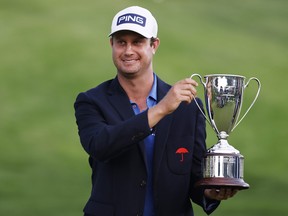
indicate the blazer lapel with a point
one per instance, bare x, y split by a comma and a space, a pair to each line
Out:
121, 103
161, 136
119, 100
162, 130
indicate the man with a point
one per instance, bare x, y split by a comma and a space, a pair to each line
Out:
145, 139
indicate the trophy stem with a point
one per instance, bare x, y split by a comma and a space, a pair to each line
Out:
223, 146
222, 135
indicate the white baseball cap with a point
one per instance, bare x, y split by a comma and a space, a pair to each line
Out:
136, 19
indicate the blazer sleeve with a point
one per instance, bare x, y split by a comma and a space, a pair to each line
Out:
101, 138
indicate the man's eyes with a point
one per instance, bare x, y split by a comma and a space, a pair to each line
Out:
136, 42
120, 42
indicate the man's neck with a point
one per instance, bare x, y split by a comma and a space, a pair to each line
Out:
137, 88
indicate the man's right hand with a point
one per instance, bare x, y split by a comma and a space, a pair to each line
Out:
182, 91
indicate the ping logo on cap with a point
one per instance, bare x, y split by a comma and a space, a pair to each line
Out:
131, 18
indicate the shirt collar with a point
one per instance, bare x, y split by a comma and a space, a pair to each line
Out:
151, 100
153, 92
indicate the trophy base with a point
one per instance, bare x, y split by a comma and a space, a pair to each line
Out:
211, 183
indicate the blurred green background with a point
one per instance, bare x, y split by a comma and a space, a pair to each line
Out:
52, 50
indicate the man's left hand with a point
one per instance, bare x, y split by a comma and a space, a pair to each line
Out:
220, 194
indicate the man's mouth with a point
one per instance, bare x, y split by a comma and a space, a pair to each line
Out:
129, 60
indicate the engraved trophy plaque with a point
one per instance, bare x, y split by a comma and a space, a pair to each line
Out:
223, 165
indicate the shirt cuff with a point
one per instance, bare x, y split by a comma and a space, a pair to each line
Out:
210, 205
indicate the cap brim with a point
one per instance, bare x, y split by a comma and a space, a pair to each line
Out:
128, 27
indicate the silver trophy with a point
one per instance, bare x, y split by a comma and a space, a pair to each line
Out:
223, 165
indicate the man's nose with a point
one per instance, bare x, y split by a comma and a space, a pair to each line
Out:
129, 49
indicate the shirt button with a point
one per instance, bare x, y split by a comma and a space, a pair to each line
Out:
143, 183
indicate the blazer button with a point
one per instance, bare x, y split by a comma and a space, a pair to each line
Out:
143, 183
133, 138
137, 136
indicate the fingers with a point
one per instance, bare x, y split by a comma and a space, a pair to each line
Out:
220, 194
225, 193
186, 89
182, 91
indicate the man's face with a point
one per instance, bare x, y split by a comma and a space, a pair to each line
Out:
132, 53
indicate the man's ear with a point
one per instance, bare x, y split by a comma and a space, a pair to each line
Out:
155, 45
111, 41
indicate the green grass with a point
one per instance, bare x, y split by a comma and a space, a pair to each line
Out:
52, 50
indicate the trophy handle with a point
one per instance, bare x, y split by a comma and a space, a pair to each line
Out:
256, 96
203, 83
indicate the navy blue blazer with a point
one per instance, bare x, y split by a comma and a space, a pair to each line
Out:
113, 136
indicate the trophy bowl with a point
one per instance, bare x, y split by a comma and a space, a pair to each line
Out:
223, 165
